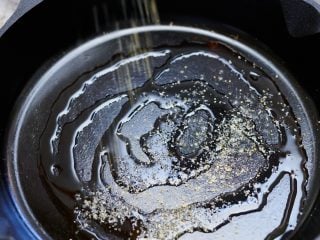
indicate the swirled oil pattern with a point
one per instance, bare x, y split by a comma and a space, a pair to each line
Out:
177, 142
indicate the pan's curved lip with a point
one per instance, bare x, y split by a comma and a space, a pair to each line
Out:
38, 81
9, 7
23, 7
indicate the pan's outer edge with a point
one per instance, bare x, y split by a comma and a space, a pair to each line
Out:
23, 7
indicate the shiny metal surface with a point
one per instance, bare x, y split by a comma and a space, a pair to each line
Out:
7, 7
12, 10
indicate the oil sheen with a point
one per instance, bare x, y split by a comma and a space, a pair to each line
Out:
190, 141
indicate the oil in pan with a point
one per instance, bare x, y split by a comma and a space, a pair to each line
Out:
162, 132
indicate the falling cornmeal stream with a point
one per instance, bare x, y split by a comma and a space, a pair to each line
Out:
184, 135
